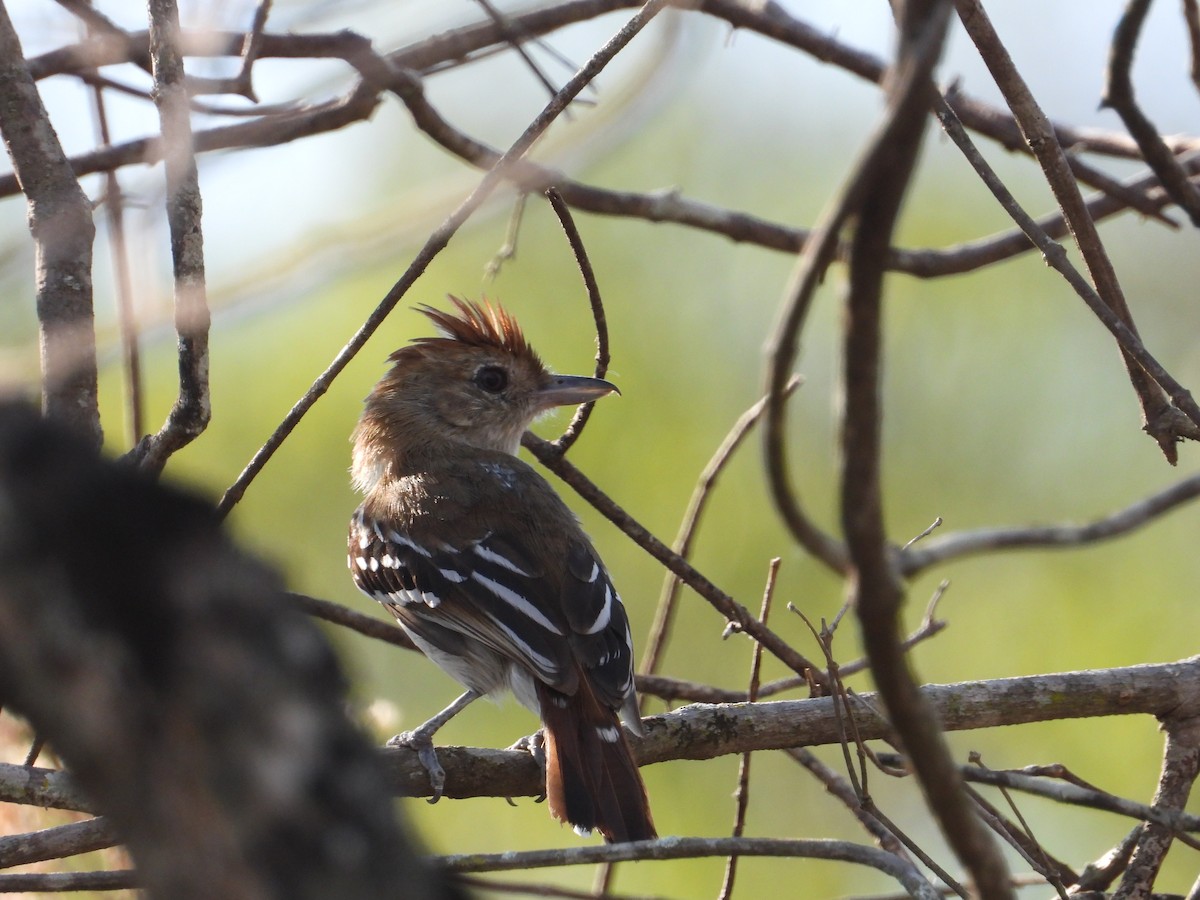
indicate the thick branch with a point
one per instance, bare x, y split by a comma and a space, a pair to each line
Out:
168, 673
708, 731
60, 219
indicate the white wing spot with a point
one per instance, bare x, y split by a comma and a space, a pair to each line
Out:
607, 733
361, 562
363, 540
453, 575
374, 563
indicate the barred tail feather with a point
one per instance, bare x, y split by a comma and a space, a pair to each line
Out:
592, 781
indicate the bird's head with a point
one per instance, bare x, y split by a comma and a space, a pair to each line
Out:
478, 382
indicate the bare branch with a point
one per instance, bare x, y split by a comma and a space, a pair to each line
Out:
954, 545
742, 794
665, 611
733, 611
1181, 765
1159, 420
694, 848
60, 220
56, 842
1119, 95
440, 237
575, 427
193, 407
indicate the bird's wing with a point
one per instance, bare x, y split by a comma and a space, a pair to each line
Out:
487, 588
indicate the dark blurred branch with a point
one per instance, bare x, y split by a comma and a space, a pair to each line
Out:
1191, 16
1119, 95
168, 673
60, 220
60, 882
873, 199
192, 409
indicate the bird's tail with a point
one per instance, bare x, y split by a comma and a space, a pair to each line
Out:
592, 781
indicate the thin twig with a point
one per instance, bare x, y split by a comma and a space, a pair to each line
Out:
114, 208
937, 550
435, 243
508, 250
250, 50
665, 611
695, 848
742, 794
1160, 420
1119, 96
575, 427
733, 611
348, 618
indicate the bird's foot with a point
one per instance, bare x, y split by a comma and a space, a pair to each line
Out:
535, 745
420, 741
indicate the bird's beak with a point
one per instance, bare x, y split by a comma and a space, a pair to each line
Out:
567, 390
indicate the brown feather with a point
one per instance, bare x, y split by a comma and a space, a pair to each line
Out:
478, 325
592, 783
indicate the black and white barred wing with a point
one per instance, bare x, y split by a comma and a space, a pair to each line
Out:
488, 590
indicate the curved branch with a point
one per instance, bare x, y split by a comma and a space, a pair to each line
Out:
1119, 96
954, 545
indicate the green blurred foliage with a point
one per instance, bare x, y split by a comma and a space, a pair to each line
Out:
1005, 404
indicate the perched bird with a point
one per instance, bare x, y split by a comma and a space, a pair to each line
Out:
486, 568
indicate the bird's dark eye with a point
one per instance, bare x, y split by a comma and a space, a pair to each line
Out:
492, 379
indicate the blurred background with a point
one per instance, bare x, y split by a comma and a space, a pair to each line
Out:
1006, 401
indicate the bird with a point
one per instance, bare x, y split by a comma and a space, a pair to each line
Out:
485, 567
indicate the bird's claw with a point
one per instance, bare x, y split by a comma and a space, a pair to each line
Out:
422, 744
535, 745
